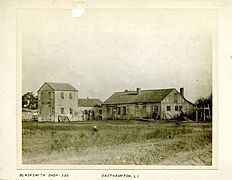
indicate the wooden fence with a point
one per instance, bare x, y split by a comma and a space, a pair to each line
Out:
203, 113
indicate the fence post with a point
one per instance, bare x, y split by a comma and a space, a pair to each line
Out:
196, 115
204, 112
209, 111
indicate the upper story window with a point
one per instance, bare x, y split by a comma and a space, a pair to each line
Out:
49, 95
41, 95
71, 111
168, 108
70, 95
62, 95
175, 98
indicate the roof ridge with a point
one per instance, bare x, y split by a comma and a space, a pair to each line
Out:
89, 98
59, 86
157, 89
147, 95
58, 82
145, 90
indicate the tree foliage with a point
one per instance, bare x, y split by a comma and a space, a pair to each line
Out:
29, 100
205, 101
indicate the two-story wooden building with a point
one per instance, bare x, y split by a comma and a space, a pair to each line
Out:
57, 102
152, 104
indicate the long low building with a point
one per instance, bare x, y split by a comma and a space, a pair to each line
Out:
152, 104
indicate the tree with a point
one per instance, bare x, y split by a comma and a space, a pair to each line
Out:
29, 100
203, 104
205, 101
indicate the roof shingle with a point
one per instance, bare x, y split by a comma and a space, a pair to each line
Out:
145, 96
61, 86
89, 102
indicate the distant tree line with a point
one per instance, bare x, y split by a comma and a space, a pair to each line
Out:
30, 101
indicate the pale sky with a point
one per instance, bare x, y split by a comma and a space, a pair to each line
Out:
112, 50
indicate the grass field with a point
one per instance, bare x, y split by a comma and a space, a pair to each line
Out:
117, 143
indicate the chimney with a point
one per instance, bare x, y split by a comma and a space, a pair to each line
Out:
138, 90
182, 91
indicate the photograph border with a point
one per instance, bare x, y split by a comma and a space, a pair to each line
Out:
214, 166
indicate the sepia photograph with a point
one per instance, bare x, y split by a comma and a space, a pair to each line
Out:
117, 87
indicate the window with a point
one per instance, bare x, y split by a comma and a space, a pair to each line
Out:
71, 111
144, 108
62, 95
42, 95
168, 108
124, 110
176, 108
118, 110
70, 95
144, 111
175, 98
62, 111
180, 108
156, 108
49, 95
100, 111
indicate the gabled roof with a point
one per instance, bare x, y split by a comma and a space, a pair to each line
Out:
89, 102
145, 96
60, 86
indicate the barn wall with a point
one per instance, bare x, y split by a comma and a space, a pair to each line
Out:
172, 101
66, 103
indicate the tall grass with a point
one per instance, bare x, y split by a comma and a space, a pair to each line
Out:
79, 141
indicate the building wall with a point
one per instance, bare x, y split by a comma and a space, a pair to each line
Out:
175, 99
90, 113
46, 104
66, 103
133, 111
29, 114
148, 110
